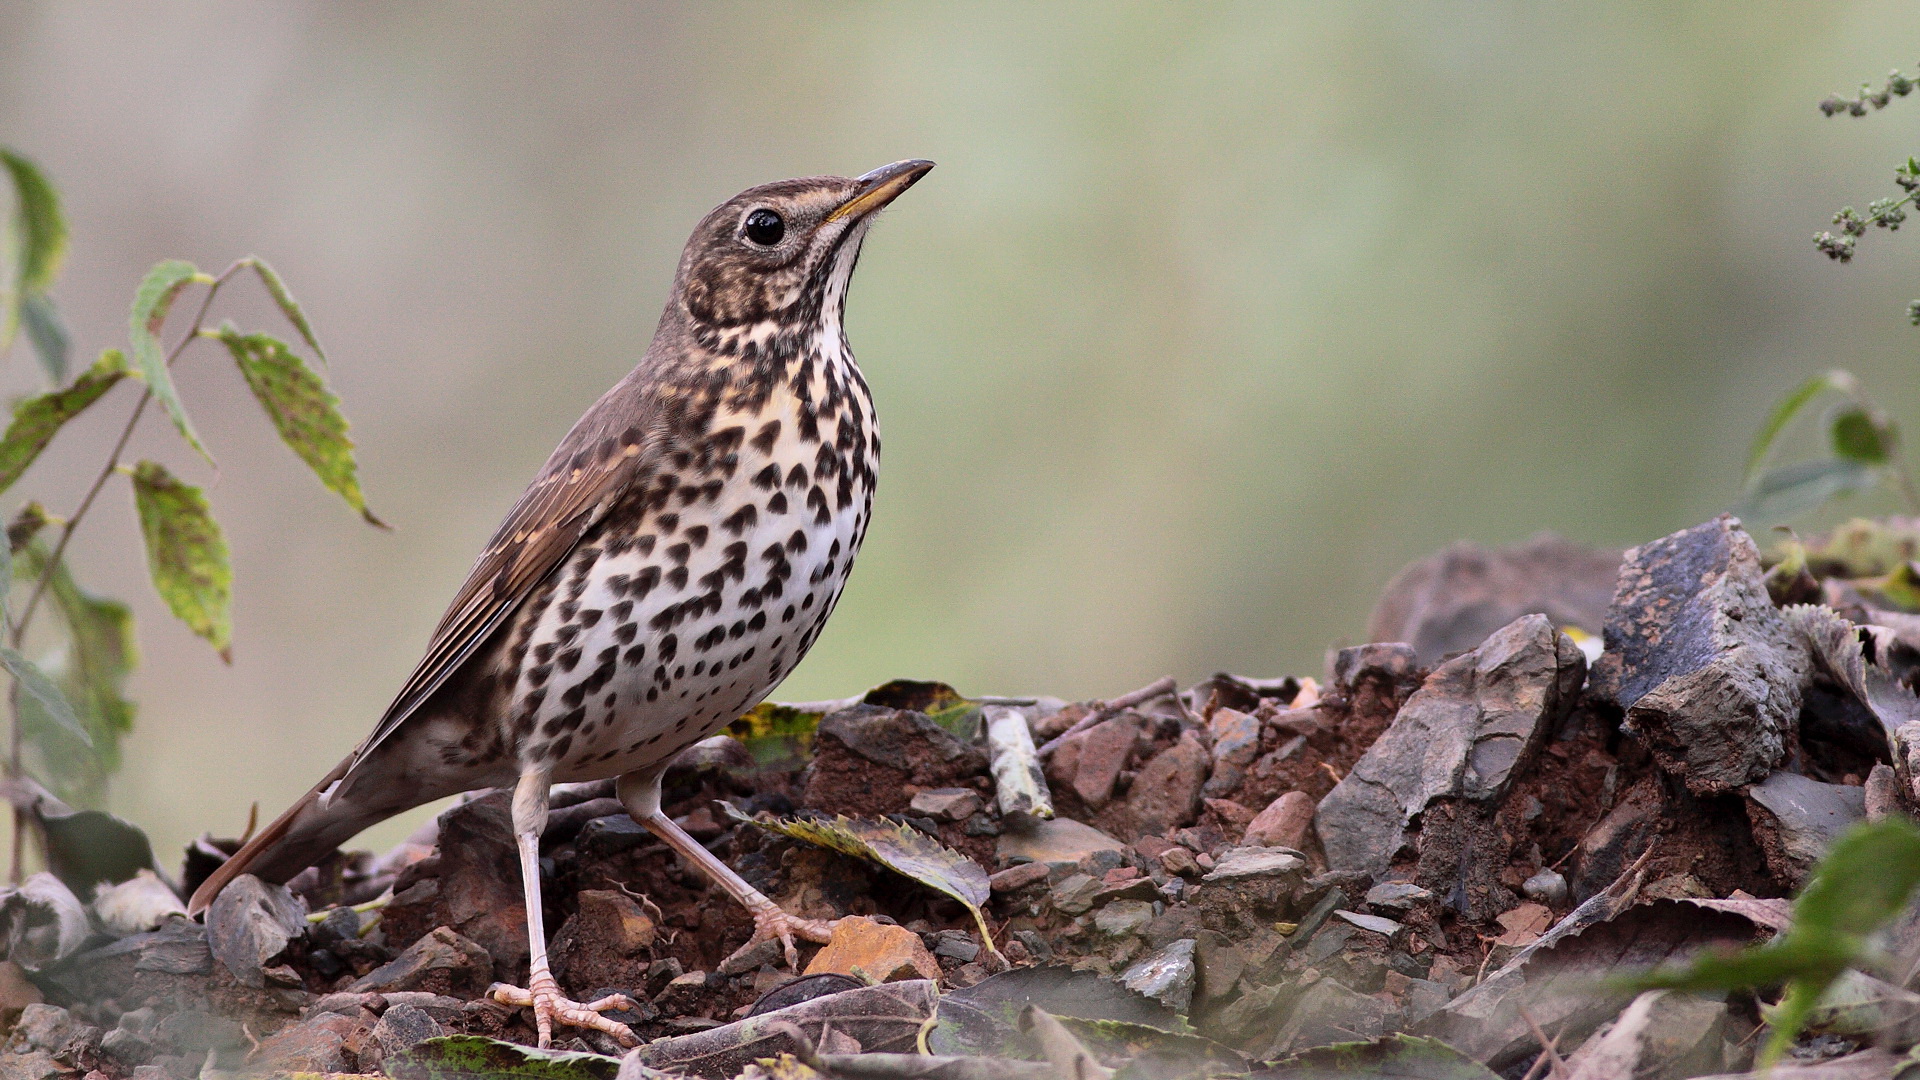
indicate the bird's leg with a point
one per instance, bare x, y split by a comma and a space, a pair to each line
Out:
639, 792
543, 991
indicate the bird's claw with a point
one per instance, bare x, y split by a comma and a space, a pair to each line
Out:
772, 923
549, 1005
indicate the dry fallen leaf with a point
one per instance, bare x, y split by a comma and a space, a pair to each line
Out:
899, 848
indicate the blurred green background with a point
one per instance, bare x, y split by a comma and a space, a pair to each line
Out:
1211, 317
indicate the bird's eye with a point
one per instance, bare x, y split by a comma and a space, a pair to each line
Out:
764, 227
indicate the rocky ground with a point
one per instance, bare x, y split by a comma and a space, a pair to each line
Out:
1418, 864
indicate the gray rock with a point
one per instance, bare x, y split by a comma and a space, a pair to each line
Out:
178, 948
1371, 923
1056, 842
443, 962
946, 804
1807, 815
1330, 1013
1166, 976
402, 1026
1073, 894
250, 924
1422, 999
1449, 602
957, 944
1123, 918
194, 1032
1236, 742
1462, 735
1286, 868
44, 1027
1709, 673
1396, 895
1548, 887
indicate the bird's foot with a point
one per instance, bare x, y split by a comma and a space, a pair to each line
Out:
773, 923
550, 1005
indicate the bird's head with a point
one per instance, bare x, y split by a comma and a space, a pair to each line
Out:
776, 258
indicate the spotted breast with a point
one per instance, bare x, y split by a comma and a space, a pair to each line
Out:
705, 585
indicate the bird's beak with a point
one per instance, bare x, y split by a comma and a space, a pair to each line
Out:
880, 187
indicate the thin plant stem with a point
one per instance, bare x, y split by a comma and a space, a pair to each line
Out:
16, 632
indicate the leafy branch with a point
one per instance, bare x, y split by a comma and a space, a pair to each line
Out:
1864, 880
186, 551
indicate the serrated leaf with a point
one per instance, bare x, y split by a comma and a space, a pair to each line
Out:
186, 553
303, 410
475, 1057
38, 240
1862, 434
48, 334
42, 689
151, 303
899, 848
1805, 485
37, 419
289, 307
97, 656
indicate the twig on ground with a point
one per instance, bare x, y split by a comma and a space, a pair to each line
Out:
1557, 1065
1103, 709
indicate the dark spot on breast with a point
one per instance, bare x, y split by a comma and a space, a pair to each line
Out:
769, 434
797, 476
768, 477
778, 504
567, 660
590, 617
644, 582
677, 577
741, 520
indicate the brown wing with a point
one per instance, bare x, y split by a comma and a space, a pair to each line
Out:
608, 451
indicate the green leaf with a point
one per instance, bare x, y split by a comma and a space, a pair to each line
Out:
941, 704
1863, 435
186, 554
304, 411
900, 848
38, 241
1794, 489
475, 1057
288, 305
43, 230
1784, 412
37, 419
151, 302
779, 737
42, 689
1862, 883
48, 335
96, 657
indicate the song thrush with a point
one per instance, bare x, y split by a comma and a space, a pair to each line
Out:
671, 563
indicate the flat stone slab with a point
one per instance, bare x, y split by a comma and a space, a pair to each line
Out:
1461, 735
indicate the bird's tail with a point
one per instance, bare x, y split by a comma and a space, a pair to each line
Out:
297, 839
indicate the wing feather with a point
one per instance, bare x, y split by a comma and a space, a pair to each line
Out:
609, 451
